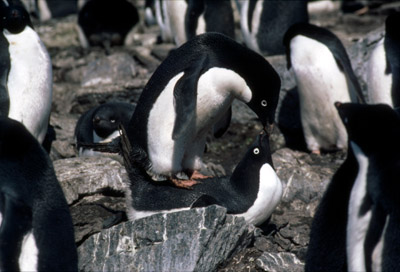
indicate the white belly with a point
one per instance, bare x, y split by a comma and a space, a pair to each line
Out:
29, 81
379, 83
28, 260
357, 225
320, 84
216, 90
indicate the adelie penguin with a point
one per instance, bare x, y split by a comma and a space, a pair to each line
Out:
383, 72
357, 224
106, 23
253, 191
263, 23
25, 71
100, 124
191, 91
324, 75
36, 231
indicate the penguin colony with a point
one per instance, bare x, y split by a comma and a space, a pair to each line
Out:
162, 138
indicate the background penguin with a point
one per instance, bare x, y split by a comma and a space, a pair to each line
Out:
324, 75
26, 76
100, 124
188, 93
383, 72
263, 23
47, 9
253, 191
36, 231
102, 23
218, 17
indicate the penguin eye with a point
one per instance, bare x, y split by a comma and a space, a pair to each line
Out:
256, 151
264, 103
112, 120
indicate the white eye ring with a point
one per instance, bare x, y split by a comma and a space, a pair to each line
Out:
256, 151
112, 120
264, 103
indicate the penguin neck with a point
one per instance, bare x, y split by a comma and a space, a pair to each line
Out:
246, 179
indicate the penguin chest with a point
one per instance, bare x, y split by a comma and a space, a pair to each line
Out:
269, 195
320, 84
216, 90
29, 81
28, 259
379, 82
358, 220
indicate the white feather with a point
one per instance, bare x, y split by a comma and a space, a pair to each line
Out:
29, 81
268, 197
379, 83
216, 90
320, 84
357, 225
28, 259
378, 250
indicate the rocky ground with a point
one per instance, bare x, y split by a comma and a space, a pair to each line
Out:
94, 187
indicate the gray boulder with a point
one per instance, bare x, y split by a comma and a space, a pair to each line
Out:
283, 261
191, 240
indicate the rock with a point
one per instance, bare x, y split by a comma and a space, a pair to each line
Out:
86, 176
64, 126
118, 67
282, 261
192, 240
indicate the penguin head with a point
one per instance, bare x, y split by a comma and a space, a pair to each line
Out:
258, 154
14, 17
374, 128
108, 116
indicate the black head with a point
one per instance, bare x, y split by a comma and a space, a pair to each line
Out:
258, 154
374, 128
265, 96
14, 16
108, 116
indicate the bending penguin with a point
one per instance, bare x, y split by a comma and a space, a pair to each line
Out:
36, 231
383, 73
324, 75
100, 125
263, 23
191, 91
253, 191
25, 71
356, 225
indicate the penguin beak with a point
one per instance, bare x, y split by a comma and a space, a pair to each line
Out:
268, 128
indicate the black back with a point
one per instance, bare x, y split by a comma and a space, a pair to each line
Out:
336, 47
103, 119
237, 193
103, 20
211, 50
392, 48
218, 16
32, 199
276, 18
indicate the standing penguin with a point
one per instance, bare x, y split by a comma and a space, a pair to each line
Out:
324, 75
100, 124
188, 93
26, 73
263, 23
383, 72
218, 17
102, 23
253, 191
36, 231
356, 227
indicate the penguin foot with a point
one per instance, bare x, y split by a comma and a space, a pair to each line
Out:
184, 183
197, 175
316, 152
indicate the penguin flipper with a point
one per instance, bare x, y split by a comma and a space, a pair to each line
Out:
223, 124
185, 98
16, 221
204, 201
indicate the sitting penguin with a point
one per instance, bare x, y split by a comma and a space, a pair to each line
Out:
252, 191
